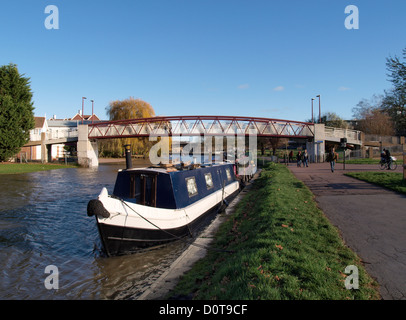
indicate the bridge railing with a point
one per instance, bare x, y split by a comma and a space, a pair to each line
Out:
61, 134
55, 134
338, 133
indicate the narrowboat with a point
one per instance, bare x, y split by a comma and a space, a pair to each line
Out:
156, 205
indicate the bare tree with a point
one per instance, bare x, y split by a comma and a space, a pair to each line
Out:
371, 118
272, 143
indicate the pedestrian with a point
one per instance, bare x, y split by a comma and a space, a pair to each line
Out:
291, 156
332, 157
305, 158
299, 158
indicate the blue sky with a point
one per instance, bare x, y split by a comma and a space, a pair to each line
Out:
189, 57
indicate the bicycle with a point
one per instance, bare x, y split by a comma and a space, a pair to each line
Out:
392, 165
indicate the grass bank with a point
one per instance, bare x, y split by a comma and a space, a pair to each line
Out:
390, 180
13, 168
360, 161
283, 248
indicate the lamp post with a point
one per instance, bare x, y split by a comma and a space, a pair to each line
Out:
318, 96
92, 109
83, 107
312, 111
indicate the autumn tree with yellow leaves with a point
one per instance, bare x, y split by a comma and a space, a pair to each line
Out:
130, 108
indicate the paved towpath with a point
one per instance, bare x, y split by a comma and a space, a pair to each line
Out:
371, 220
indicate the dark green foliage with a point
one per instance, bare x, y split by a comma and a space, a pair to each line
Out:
394, 102
16, 111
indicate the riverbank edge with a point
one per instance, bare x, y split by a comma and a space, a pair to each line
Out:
196, 251
17, 168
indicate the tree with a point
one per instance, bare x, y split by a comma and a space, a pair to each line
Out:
397, 72
271, 143
372, 118
331, 119
130, 108
394, 102
16, 111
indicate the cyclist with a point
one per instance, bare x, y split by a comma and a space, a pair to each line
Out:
388, 158
383, 156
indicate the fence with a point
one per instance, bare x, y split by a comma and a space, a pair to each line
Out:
384, 139
55, 134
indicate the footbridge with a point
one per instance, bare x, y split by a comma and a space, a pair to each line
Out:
314, 135
200, 125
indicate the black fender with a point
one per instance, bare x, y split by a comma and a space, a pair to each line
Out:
95, 207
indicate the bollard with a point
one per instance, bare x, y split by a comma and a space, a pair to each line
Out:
128, 161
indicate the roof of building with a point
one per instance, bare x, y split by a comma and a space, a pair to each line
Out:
85, 117
39, 122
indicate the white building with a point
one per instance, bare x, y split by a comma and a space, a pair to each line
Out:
51, 131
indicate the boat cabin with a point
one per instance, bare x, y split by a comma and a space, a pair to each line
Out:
171, 188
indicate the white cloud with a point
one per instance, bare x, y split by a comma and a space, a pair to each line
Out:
343, 89
243, 86
279, 88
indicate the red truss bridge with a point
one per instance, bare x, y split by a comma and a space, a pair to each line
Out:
199, 126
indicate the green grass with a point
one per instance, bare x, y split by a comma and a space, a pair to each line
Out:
284, 248
390, 180
360, 161
13, 168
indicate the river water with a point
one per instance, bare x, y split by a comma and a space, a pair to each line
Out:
43, 222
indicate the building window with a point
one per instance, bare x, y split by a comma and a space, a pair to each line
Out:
191, 186
228, 174
209, 180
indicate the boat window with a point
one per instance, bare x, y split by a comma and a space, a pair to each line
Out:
143, 189
209, 180
135, 188
228, 174
191, 186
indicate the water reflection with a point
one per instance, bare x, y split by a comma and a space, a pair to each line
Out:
43, 222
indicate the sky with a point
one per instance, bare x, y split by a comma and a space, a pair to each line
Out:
255, 58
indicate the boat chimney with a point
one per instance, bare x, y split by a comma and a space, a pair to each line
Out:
128, 156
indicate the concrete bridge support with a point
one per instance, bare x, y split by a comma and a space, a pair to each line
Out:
88, 153
44, 151
316, 148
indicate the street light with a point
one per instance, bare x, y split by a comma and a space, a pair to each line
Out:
92, 109
312, 111
318, 96
83, 100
